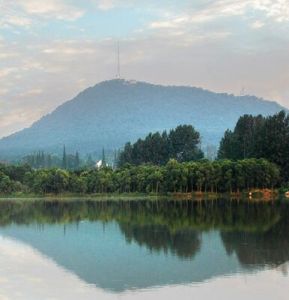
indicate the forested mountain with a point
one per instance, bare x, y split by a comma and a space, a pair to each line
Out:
116, 111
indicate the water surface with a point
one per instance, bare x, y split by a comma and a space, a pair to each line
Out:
143, 249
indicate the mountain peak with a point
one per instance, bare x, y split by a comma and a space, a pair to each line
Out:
120, 81
115, 111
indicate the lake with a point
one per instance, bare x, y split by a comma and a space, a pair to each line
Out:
221, 249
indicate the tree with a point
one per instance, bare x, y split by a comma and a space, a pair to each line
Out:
6, 185
64, 158
49, 161
182, 144
103, 159
90, 163
126, 155
259, 137
58, 181
228, 146
77, 184
77, 161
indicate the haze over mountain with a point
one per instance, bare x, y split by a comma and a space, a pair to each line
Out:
116, 111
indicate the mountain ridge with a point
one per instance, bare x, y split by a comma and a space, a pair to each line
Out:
113, 112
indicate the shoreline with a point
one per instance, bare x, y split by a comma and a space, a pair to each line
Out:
265, 195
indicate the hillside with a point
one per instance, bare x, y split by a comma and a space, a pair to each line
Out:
116, 111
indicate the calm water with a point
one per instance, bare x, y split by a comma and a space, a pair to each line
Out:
143, 250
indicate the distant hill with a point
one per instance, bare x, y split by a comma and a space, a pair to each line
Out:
116, 111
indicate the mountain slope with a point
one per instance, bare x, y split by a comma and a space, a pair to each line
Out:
116, 111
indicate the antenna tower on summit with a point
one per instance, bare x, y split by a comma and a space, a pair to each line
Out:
118, 62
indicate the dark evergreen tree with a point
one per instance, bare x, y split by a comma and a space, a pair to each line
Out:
125, 156
184, 142
42, 160
49, 161
157, 148
64, 158
77, 161
90, 163
259, 137
103, 158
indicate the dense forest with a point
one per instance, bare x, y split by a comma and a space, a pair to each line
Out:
41, 160
68, 161
259, 137
202, 176
181, 143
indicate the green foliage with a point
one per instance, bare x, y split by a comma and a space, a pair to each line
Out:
42, 160
64, 159
6, 185
204, 175
182, 144
259, 137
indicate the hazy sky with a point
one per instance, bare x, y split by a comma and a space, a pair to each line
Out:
52, 49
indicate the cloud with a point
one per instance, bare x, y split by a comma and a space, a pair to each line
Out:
68, 48
257, 24
55, 9
10, 17
52, 9
17, 21
173, 23
3, 91
4, 72
45, 73
106, 4
277, 10
220, 45
274, 10
32, 92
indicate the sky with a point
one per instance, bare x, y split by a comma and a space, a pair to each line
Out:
51, 50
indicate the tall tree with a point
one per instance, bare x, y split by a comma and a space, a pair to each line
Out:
103, 159
259, 137
77, 160
64, 158
182, 144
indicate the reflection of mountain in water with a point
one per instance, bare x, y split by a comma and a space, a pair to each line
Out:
165, 242
183, 243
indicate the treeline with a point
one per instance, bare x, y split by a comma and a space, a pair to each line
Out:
68, 161
181, 143
41, 160
202, 176
259, 137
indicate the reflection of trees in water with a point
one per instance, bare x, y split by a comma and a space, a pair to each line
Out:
261, 248
204, 215
184, 243
176, 226
256, 232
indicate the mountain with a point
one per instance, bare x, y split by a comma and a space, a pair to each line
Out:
116, 111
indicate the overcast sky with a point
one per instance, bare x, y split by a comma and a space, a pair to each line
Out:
51, 50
